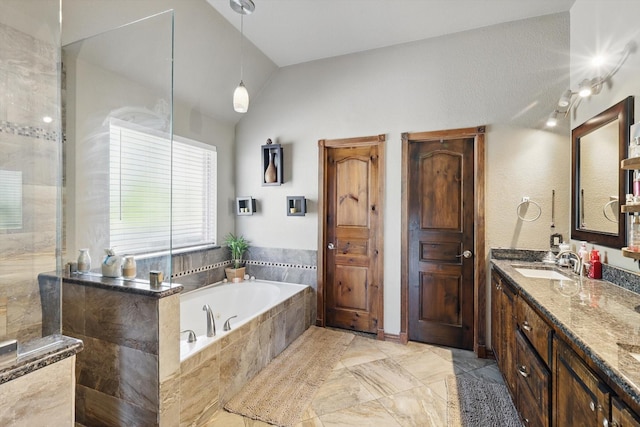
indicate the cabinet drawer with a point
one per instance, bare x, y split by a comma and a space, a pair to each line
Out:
537, 331
533, 384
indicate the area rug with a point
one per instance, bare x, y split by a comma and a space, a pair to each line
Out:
473, 403
282, 391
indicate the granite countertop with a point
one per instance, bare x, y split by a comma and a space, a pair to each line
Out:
598, 316
37, 354
133, 286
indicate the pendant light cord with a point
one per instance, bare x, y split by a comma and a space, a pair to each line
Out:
241, 45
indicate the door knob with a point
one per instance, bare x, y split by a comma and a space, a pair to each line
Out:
330, 246
466, 254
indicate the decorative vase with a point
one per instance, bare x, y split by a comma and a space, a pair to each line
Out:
129, 267
270, 174
84, 261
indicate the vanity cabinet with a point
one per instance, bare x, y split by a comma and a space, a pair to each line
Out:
532, 385
621, 415
503, 325
581, 398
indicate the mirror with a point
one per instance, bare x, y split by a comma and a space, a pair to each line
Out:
598, 183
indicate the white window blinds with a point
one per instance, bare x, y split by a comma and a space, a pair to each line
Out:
148, 176
11, 200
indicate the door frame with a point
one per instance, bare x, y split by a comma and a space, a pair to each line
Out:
479, 279
323, 146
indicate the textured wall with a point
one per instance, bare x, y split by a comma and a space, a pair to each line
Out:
504, 76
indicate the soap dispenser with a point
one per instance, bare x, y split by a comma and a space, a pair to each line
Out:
595, 269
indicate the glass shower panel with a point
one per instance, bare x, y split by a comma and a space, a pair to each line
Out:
117, 104
30, 168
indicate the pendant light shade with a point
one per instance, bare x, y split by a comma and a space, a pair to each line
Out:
241, 95
241, 99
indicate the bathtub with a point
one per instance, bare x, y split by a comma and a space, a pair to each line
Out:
247, 300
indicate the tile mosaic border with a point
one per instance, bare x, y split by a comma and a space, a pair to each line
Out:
248, 262
28, 131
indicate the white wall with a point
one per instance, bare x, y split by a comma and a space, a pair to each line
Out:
505, 76
597, 27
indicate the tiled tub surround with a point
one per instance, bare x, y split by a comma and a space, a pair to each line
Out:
126, 373
199, 268
130, 372
238, 303
221, 369
601, 319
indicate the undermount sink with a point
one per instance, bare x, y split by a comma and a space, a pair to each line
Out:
536, 273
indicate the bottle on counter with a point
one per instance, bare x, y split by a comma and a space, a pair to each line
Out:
129, 267
595, 267
84, 261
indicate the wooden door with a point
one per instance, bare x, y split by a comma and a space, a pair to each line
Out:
352, 233
441, 241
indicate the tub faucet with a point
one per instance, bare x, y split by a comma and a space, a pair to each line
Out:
192, 335
211, 323
577, 267
227, 325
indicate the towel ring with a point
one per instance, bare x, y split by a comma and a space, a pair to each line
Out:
604, 210
527, 201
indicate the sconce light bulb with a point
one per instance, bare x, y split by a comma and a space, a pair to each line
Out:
552, 121
585, 90
565, 99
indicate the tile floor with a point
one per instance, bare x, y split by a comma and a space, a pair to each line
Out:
379, 383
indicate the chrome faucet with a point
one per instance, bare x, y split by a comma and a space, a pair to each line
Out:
211, 323
227, 325
192, 335
577, 266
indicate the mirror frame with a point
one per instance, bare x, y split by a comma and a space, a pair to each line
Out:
623, 112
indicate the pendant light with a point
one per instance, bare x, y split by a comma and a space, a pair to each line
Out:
240, 95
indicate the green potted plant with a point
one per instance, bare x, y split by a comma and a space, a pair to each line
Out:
237, 245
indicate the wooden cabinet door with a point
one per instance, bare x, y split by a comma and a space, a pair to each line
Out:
621, 415
509, 298
533, 384
580, 398
441, 196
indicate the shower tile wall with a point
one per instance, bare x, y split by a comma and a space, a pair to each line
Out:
29, 91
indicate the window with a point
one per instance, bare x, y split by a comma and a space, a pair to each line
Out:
142, 190
11, 200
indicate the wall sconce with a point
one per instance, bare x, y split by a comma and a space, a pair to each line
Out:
586, 88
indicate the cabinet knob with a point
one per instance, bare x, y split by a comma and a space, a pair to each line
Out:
605, 423
526, 326
592, 406
522, 370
